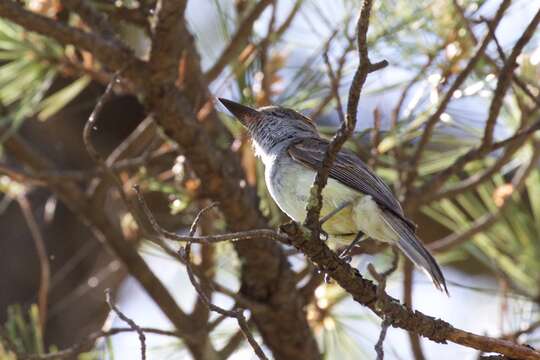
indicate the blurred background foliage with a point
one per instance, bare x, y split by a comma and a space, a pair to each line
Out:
427, 43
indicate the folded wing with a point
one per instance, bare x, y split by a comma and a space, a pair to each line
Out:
349, 170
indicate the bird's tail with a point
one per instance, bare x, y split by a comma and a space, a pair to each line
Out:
415, 251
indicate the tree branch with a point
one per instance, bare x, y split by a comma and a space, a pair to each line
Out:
505, 77
125, 251
74, 350
368, 294
418, 197
105, 50
348, 126
166, 47
127, 320
93, 18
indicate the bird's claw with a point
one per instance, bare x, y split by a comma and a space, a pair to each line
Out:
344, 255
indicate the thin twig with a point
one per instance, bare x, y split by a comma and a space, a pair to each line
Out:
435, 117
418, 196
527, 330
381, 279
208, 239
334, 80
92, 120
382, 335
82, 346
347, 127
127, 320
408, 283
235, 313
519, 82
41, 249
338, 74
505, 77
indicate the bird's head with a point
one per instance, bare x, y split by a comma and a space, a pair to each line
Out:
272, 125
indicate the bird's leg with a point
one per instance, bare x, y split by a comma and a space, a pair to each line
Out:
345, 253
330, 215
334, 212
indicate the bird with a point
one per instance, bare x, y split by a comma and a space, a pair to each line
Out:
355, 200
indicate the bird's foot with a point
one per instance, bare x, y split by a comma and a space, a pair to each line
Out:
345, 253
345, 256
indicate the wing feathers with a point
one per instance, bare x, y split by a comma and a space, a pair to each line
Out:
350, 171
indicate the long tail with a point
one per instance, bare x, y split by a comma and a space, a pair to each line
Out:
415, 250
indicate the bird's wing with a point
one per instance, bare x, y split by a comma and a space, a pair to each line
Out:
349, 170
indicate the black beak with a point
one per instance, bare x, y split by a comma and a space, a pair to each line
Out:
243, 113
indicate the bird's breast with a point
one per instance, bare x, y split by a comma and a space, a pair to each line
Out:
289, 184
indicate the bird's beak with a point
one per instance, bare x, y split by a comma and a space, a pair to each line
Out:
243, 113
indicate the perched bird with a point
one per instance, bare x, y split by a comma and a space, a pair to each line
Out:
292, 150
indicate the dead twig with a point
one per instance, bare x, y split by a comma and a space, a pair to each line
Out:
382, 335
41, 249
505, 77
127, 320
381, 279
418, 197
235, 313
435, 117
76, 349
347, 126
209, 239
334, 80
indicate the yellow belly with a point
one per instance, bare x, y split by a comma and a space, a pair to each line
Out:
340, 223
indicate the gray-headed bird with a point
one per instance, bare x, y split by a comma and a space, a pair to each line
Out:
292, 150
